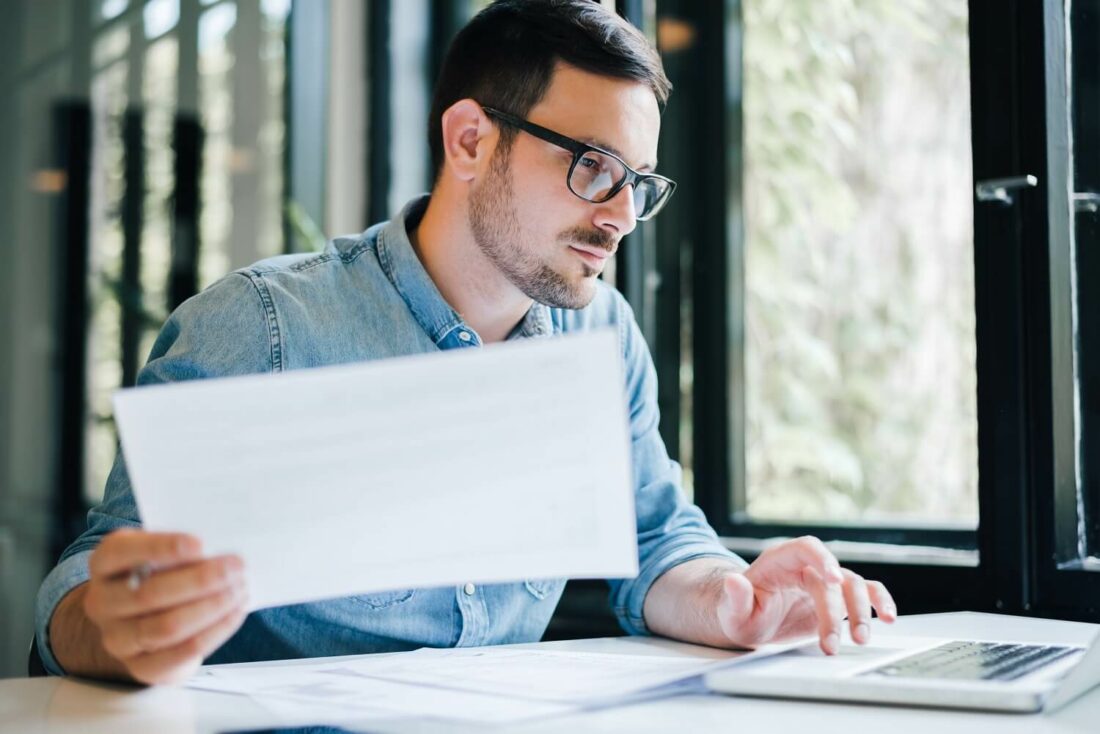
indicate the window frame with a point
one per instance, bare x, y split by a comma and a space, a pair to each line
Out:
1085, 116
1067, 579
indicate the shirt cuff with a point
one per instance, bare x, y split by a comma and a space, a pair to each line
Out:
65, 577
631, 599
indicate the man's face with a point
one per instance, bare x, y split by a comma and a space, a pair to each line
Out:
548, 242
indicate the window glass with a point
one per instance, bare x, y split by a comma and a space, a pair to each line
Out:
859, 297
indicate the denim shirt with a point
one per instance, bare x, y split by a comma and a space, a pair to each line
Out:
362, 298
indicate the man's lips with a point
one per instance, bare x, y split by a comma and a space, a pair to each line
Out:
591, 255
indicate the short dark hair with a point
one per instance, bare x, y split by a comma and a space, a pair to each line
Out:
505, 58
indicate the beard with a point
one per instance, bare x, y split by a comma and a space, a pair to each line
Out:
496, 229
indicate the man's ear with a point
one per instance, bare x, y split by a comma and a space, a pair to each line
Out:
468, 138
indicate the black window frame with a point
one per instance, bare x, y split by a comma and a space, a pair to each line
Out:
1085, 117
1067, 574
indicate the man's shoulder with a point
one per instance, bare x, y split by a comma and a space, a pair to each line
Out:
313, 280
340, 252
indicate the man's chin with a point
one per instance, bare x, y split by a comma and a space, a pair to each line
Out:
578, 296
582, 294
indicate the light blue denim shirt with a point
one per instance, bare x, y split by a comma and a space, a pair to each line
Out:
364, 298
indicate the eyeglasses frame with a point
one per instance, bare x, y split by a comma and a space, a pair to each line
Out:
578, 149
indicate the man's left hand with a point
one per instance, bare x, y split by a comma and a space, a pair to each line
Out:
794, 589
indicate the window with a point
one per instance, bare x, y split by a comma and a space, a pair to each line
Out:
187, 123
859, 347
866, 348
826, 323
198, 165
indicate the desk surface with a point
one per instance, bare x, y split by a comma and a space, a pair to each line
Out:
48, 705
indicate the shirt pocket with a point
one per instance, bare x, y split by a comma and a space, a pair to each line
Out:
385, 599
541, 588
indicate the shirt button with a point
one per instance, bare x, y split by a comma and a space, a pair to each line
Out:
465, 336
469, 589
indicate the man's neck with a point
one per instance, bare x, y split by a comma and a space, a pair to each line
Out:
465, 277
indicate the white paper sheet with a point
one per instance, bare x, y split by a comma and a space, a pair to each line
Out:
578, 678
544, 681
486, 465
468, 686
302, 693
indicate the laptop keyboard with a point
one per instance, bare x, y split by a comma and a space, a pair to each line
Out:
975, 661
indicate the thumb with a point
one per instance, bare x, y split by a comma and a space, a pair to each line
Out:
735, 605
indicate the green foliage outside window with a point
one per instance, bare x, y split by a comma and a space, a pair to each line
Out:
859, 332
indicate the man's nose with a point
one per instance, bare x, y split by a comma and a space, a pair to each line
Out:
618, 212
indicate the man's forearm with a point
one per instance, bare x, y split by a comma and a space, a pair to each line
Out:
76, 643
682, 602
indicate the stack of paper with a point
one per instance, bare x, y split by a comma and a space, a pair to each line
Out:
489, 685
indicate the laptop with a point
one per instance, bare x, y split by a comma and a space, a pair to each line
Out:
989, 675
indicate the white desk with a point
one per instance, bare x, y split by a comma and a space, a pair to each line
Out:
44, 705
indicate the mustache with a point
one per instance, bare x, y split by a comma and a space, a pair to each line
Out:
593, 237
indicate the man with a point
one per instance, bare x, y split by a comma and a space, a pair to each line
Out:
544, 134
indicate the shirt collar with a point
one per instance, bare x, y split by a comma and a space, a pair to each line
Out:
404, 269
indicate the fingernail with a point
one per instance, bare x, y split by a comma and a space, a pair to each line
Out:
862, 632
832, 643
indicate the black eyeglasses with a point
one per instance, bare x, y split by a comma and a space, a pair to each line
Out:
596, 175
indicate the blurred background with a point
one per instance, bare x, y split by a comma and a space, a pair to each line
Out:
811, 294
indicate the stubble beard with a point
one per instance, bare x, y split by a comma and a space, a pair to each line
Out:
496, 229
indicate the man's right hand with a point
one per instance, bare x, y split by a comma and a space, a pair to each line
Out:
155, 631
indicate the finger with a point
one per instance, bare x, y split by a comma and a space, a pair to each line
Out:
828, 607
129, 638
795, 555
882, 601
123, 550
175, 664
859, 606
115, 598
170, 628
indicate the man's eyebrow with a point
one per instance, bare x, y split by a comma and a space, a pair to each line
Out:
597, 143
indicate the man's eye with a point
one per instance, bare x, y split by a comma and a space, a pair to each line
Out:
590, 163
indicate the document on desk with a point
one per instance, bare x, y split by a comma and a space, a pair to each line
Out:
485, 686
495, 464
301, 691
496, 679
551, 676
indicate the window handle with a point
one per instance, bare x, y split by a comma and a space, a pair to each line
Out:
998, 189
1086, 201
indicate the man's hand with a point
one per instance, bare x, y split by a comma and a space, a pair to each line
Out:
793, 589
155, 629
797, 588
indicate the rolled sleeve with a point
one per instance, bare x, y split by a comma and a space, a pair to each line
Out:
116, 511
630, 601
671, 530
65, 576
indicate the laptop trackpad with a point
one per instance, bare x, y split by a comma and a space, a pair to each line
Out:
852, 659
